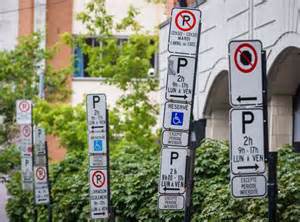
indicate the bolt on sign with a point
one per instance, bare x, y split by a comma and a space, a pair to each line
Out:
24, 119
247, 128
98, 156
183, 42
41, 183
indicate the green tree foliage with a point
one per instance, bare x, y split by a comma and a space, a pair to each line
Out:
19, 79
9, 159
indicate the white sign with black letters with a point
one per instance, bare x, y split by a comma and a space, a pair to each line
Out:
23, 111
172, 172
41, 191
175, 138
184, 31
98, 193
171, 202
96, 121
27, 173
245, 79
247, 141
177, 116
180, 78
248, 186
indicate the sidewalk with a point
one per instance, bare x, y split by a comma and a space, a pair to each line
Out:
3, 199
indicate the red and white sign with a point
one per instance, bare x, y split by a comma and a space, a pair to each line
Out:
98, 178
41, 174
245, 58
245, 76
184, 31
99, 195
26, 131
23, 111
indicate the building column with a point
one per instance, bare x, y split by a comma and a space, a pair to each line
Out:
280, 121
217, 126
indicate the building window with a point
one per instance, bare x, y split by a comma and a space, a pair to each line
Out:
81, 59
296, 122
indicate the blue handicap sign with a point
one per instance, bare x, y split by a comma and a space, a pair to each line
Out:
98, 145
177, 119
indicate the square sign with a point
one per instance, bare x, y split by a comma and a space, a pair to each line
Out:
177, 116
184, 31
180, 78
245, 79
172, 172
98, 193
39, 141
96, 122
247, 141
23, 110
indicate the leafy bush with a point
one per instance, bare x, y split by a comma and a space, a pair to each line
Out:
134, 182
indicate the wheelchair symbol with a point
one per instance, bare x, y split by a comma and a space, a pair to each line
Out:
177, 119
97, 145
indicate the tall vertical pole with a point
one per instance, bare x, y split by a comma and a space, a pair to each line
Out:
49, 184
35, 214
192, 141
271, 156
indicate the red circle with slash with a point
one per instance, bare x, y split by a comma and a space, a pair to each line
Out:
188, 20
251, 62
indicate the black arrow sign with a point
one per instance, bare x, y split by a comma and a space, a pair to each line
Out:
240, 99
179, 96
248, 167
173, 189
101, 213
97, 127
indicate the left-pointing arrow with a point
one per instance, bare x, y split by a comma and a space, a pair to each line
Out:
171, 189
240, 98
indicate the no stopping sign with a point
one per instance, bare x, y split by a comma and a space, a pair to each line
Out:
245, 58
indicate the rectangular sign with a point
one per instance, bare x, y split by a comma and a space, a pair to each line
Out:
177, 116
98, 160
180, 78
184, 31
247, 141
23, 111
172, 171
96, 123
171, 202
41, 190
99, 196
248, 186
39, 141
245, 79
26, 173
175, 138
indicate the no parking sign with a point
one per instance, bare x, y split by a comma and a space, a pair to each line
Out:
184, 31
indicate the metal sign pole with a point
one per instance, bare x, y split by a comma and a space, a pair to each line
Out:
49, 184
271, 156
35, 214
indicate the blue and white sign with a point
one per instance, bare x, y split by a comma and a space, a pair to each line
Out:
177, 116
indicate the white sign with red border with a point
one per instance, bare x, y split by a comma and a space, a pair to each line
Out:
184, 31
245, 79
99, 193
23, 111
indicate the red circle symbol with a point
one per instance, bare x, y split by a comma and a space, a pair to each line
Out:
40, 173
98, 178
185, 20
26, 131
24, 106
242, 51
